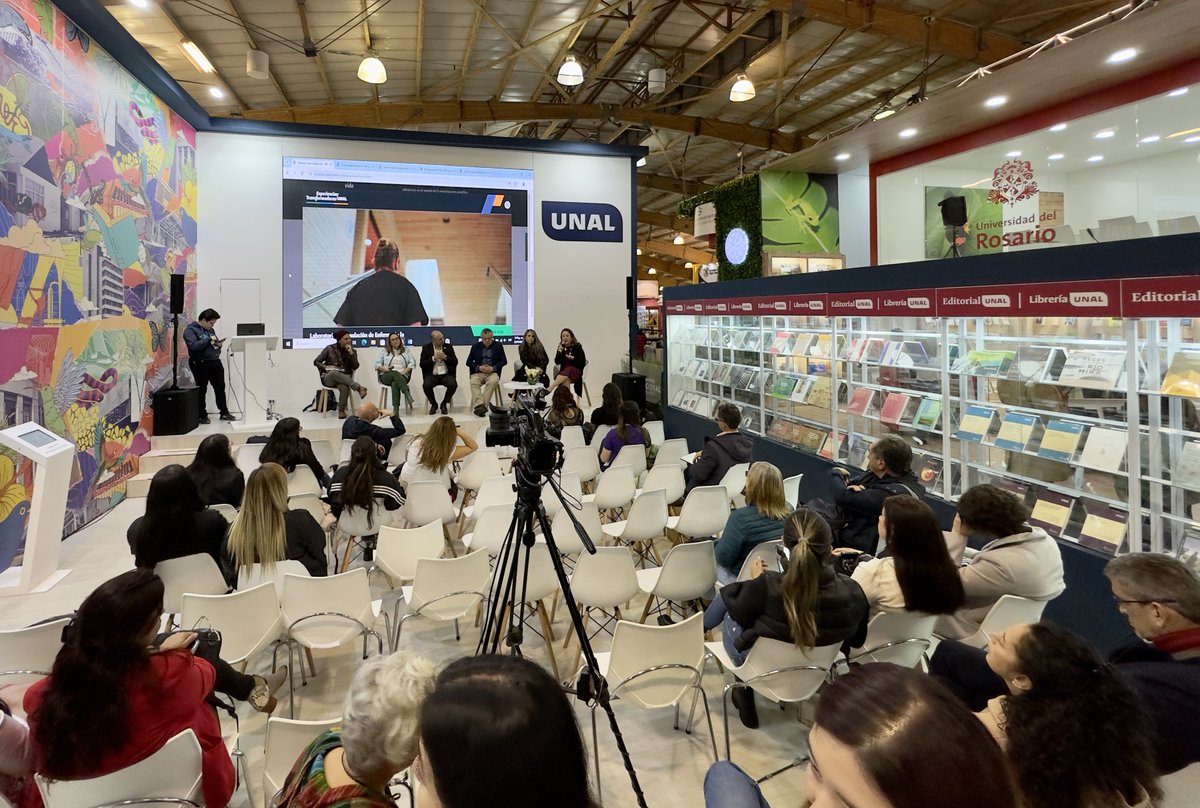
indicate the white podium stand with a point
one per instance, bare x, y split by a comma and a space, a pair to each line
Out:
254, 375
52, 457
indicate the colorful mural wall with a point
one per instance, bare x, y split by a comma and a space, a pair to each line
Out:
97, 209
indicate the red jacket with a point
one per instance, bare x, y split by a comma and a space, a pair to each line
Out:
155, 715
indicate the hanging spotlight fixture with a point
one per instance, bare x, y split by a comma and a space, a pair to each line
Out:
679, 240
570, 74
257, 64
656, 80
371, 70
742, 89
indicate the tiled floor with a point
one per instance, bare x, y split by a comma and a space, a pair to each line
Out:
670, 764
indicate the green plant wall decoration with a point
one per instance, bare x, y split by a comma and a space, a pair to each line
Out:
738, 204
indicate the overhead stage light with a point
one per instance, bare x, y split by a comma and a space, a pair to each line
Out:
372, 71
257, 64
571, 72
679, 240
742, 89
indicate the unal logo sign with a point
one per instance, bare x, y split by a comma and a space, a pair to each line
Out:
581, 221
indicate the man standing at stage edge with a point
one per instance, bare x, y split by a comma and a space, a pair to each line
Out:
204, 358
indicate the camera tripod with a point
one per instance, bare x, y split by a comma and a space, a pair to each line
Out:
509, 586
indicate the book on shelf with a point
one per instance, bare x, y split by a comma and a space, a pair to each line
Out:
1186, 471
977, 425
891, 352
702, 371
1104, 449
831, 446
741, 378
693, 368
750, 422
754, 381
705, 406
1036, 363
861, 400
822, 346
752, 341
854, 348
818, 366
802, 389
821, 392
1060, 440
780, 343
984, 363
1016, 487
1017, 430
677, 398
1096, 370
930, 471
1103, 527
1051, 511
857, 449
913, 353
873, 350
810, 438
1183, 375
783, 386
929, 415
716, 337
897, 409
779, 429
801, 344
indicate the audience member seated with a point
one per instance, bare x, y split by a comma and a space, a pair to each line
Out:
438, 366
917, 573
810, 605
287, 447
217, 477
564, 411
860, 499
363, 423
886, 737
532, 360
16, 759
111, 699
266, 531
364, 482
497, 730
432, 455
571, 361
628, 431
1015, 559
176, 523
337, 364
394, 368
1074, 733
1160, 597
721, 452
484, 363
609, 411
760, 520
376, 740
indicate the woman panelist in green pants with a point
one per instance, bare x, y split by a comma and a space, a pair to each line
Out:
395, 369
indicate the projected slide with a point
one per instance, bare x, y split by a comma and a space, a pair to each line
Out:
379, 247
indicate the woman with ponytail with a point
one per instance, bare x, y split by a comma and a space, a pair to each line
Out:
810, 605
112, 699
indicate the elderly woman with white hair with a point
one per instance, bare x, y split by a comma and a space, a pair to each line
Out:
351, 765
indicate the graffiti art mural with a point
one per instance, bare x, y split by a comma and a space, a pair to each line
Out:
97, 209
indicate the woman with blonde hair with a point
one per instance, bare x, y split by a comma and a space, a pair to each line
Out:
431, 455
266, 531
761, 519
810, 605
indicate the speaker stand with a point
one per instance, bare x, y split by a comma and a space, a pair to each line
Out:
174, 351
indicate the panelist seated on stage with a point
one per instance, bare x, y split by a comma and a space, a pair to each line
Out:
532, 360
438, 366
484, 362
337, 363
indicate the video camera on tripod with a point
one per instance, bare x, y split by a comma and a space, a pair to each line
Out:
522, 426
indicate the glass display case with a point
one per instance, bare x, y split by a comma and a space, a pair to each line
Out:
1087, 415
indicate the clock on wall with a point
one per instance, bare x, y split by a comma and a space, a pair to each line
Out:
737, 246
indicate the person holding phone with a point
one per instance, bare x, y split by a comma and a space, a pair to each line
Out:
204, 359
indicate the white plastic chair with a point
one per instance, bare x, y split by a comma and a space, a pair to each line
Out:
1009, 611
540, 584
704, 513
399, 549
428, 501
258, 574
248, 620
226, 510
566, 539
655, 667
310, 503
496, 490
615, 490
344, 449
778, 671
602, 581
27, 654
572, 437
172, 775
482, 464
286, 739
1180, 787
324, 613
572, 490
688, 573
767, 551
791, 490
632, 455
324, 452
246, 457
491, 527
671, 453
647, 521
897, 637
197, 574
354, 523
657, 432
669, 478
599, 435
735, 483
302, 481
445, 590
583, 461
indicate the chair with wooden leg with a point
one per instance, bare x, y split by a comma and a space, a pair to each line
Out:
601, 583
428, 501
647, 521
687, 574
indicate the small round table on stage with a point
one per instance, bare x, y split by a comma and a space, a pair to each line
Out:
516, 387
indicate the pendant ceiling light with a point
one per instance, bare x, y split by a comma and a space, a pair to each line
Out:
571, 73
372, 71
742, 89
678, 240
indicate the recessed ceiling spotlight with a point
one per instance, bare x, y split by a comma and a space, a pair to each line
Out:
1123, 55
842, 157
216, 92
651, 271
907, 133
1095, 158
1056, 156
1012, 154
139, 3
996, 101
641, 162
688, 265
1058, 127
1192, 139
679, 240
1104, 134
1150, 139
1177, 92
639, 250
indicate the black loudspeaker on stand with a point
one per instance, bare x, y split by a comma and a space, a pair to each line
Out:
176, 409
633, 387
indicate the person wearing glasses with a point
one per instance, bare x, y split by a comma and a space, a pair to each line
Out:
1015, 559
1160, 597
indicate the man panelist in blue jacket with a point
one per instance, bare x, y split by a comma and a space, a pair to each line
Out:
484, 363
204, 358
